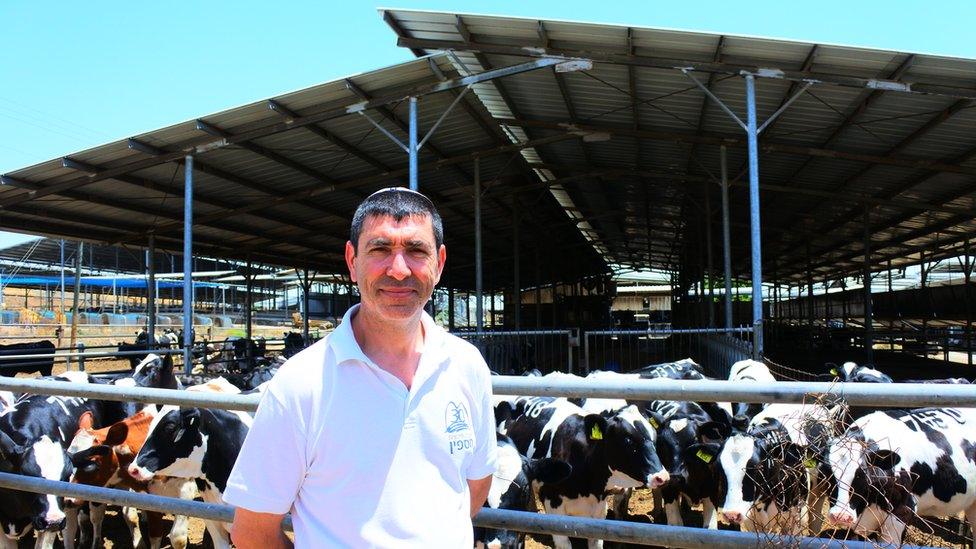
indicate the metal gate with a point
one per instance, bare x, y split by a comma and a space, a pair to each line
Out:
627, 350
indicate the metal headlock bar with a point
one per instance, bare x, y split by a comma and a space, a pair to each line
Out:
609, 530
913, 395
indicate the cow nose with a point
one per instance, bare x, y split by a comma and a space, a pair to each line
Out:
841, 517
733, 517
659, 479
50, 521
138, 474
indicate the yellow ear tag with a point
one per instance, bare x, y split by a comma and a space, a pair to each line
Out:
653, 422
704, 456
833, 372
596, 433
810, 463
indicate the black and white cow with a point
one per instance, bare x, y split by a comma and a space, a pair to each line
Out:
850, 372
893, 464
682, 369
194, 443
749, 371
34, 435
771, 473
606, 451
511, 489
693, 477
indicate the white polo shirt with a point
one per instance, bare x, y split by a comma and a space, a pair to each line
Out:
361, 461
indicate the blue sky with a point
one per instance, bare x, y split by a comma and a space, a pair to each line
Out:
78, 74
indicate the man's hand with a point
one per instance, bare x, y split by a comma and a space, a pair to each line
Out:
259, 530
479, 493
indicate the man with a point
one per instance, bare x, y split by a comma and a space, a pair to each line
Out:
381, 434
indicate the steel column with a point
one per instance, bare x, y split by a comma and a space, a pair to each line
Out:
74, 299
754, 224
478, 282
726, 245
306, 288
248, 281
151, 292
868, 305
708, 250
62, 279
188, 264
968, 272
516, 281
412, 148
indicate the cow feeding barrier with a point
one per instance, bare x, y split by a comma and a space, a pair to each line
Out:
628, 350
912, 395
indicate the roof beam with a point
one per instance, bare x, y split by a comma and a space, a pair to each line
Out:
595, 54
740, 142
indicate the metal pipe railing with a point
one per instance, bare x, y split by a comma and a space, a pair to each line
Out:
536, 523
902, 395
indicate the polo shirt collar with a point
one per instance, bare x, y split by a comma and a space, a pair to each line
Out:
344, 345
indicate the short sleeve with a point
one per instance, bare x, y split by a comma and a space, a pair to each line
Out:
270, 468
482, 463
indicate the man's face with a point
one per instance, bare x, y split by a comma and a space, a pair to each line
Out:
396, 265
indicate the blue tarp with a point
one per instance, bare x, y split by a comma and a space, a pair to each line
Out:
101, 282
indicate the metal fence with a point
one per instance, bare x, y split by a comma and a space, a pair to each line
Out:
514, 352
675, 536
627, 350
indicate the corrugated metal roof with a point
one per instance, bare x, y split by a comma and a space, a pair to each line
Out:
843, 146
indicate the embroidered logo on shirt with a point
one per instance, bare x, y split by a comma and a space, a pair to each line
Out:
458, 430
456, 417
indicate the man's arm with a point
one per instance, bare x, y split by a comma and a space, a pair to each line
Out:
260, 530
479, 493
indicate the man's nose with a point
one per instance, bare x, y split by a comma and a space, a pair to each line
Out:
398, 269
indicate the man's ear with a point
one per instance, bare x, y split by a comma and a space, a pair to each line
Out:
350, 259
441, 260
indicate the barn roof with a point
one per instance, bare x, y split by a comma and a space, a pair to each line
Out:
609, 166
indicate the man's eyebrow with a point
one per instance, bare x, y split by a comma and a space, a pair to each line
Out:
379, 241
418, 243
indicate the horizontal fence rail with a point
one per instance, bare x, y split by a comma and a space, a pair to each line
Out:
905, 395
608, 530
628, 350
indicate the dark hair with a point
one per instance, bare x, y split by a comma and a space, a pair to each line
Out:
398, 203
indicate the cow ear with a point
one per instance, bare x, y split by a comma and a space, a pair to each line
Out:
713, 431
885, 459
704, 452
116, 434
191, 417
740, 423
547, 470
9, 449
655, 419
596, 426
168, 362
86, 421
832, 368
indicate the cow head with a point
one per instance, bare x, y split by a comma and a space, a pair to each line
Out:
761, 471
174, 446
865, 477
628, 441
155, 371
511, 489
43, 458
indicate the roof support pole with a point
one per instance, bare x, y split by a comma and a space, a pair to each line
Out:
868, 304
248, 282
306, 282
151, 292
968, 273
708, 252
516, 267
74, 298
413, 144
188, 264
756, 237
61, 246
478, 282
726, 245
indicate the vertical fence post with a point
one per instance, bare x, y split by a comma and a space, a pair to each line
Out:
478, 275
726, 245
81, 357
414, 185
868, 302
967, 270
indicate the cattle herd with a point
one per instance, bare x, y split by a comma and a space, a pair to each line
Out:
776, 469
